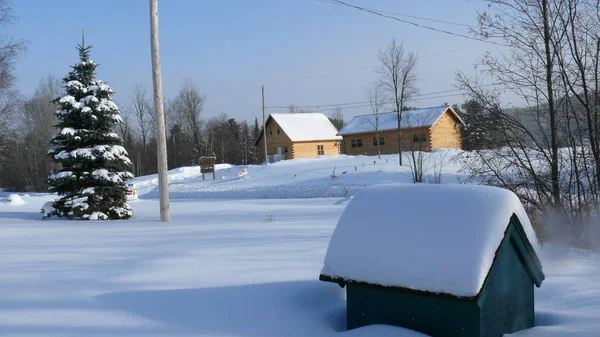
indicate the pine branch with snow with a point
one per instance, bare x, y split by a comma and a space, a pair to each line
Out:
91, 183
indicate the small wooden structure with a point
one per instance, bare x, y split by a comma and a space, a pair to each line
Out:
207, 165
467, 269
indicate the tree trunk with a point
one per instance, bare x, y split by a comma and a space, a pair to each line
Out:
554, 168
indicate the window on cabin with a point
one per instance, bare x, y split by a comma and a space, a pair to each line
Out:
356, 143
285, 150
270, 131
278, 130
419, 137
381, 141
320, 150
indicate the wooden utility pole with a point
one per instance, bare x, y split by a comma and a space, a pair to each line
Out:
163, 183
264, 125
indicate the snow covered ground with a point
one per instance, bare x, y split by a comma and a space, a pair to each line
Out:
233, 266
298, 178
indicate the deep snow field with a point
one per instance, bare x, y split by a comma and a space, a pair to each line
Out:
298, 178
241, 257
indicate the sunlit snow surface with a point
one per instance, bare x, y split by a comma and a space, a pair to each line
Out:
220, 268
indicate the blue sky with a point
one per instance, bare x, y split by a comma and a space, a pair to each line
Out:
305, 52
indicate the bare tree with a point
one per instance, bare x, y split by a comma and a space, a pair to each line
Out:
140, 107
124, 129
30, 130
398, 77
417, 159
376, 102
188, 104
9, 103
246, 142
337, 118
39, 119
529, 67
294, 109
547, 149
437, 163
10, 48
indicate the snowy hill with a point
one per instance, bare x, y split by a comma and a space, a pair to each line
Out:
297, 178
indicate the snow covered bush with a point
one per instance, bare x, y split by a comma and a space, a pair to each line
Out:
15, 200
94, 165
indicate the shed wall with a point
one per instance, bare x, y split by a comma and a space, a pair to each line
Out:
507, 299
427, 313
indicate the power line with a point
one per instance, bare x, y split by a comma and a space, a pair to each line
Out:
368, 105
253, 113
444, 96
425, 19
348, 105
408, 16
247, 92
379, 13
327, 110
453, 50
341, 105
373, 67
452, 90
333, 74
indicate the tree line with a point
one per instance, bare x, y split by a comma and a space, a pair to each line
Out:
189, 134
31, 123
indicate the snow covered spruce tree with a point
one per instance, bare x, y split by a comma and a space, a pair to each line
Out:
94, 165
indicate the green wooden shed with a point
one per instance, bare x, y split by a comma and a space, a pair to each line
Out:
463, 263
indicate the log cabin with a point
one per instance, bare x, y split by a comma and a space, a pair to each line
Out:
424, 129
299, 135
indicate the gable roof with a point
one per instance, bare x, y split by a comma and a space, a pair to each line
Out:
388, 237
304, 126
424, 117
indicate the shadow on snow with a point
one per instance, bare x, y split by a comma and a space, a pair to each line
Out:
299, 308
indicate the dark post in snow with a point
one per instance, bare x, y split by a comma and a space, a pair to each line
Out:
163, 186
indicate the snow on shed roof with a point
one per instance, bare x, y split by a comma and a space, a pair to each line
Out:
301, 127
423, 117
388, 235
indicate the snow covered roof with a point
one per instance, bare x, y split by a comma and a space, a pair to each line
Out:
424, 117
300, 127
434, 238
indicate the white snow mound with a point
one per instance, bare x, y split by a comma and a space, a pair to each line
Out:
435, 238
48, 208
15, 200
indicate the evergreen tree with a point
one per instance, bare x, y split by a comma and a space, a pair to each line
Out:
94, 164
482, 126
256, 131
